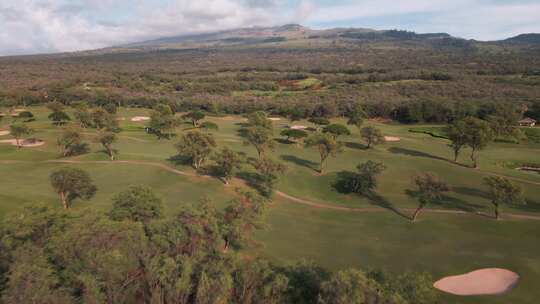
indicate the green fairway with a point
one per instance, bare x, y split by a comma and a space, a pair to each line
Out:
442, 244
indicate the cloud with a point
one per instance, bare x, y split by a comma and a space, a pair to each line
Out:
36, 26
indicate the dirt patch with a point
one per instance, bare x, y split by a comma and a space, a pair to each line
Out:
490, 281
391, 139
380, 120
298, 127
4, 132
274, 118
26, 143
140, 118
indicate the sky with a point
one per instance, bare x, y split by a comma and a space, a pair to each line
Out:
48, 26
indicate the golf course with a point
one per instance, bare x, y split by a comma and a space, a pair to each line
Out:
309, 216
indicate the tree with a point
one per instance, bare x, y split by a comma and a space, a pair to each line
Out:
106, 139
243, 216
207, 126
32, 279
268, 170
55, 106
137, 203
259, 119
430, 189
261, 138
103, 120
349, 286
162, 122
457, 133
356, 116
326, 145
372, 136
27, 116
365, 180
111, 108
479, 134
20, 131
503, 191
59, 118
71, 142
297, 135
83, 116
195, 117
72, 183
227, 161
319, 121
336, 130
196, 146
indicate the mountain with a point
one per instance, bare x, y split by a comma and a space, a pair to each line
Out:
531, 38
295, 35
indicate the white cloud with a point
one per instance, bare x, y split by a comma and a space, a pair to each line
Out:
32, 26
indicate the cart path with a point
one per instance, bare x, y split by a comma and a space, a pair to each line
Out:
281, 194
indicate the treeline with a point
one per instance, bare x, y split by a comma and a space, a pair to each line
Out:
134, 254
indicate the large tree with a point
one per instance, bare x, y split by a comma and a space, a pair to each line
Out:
429, 189
195, 117
259, 137
269, 169
259, 119
20, 131
356, 115
71, 142
478, 135
162, 122
364, 181
503, 191
243, 215
227, 161
372, 136
297, 135
326, 145
196, 146
336, 130
72, 183
350, 286
457, 133
107, 139
137, 203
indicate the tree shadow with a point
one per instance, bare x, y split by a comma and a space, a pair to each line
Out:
300, 162
253, 180
354, 145
180, 160
471, 192
378, 200
414, 153
529, 206
373, 198
283, 141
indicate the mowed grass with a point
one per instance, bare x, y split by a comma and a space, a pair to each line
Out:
441, 244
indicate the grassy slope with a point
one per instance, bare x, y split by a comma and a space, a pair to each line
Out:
440, 244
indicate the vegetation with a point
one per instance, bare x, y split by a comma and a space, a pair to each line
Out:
372, 136
429, 189
71, 184
20, 131
502, 191
326, 145
196, 147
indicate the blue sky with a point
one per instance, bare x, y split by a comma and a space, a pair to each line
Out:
38, 26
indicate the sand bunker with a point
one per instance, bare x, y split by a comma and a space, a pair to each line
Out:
274, 118
391, 139
491, 281
298, 127
140, 118
26, 143
4, 132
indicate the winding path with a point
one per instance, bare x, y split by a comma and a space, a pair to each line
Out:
401, 211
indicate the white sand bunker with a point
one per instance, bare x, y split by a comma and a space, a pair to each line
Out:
298, 127
26, 143
391, 139
4, 132
491, 281
274, 118
140, 118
